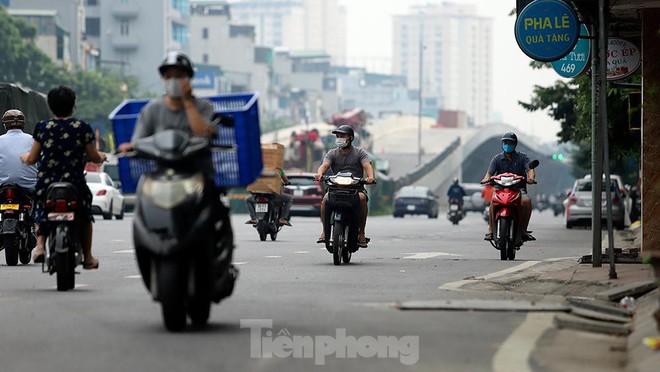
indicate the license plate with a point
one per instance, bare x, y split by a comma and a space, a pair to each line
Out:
67, 216
411, 207
298, 193
8, 206
261, 208
453, 207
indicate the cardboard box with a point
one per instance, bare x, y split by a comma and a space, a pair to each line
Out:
271, 183
273, 156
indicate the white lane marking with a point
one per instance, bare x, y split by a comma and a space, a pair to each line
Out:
117, 240
125, 251
301, 252
273, 256
133, 277
240, 263
453, 286
515, 351
425, 255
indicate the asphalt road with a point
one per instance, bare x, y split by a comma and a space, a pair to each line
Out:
292, 309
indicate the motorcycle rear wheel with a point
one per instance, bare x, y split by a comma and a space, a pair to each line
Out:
65, 261
11, 249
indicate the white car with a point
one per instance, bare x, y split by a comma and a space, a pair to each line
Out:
107, 199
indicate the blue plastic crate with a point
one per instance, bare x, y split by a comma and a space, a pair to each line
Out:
239, 167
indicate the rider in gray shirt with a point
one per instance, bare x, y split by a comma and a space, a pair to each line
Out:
347, 158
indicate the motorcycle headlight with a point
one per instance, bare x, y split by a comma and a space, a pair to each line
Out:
167, 194
507, 181
345, 181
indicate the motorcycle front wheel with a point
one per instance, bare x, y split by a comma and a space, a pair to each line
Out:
337, 242
503, 228
172, 284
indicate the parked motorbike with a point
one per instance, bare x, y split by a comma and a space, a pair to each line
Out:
16, 227
507, 208
64, 241
454, 214
181, 230
268, 215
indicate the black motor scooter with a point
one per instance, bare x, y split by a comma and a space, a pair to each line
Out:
268, 215
455, 212
181, 231
342, 216
17, 236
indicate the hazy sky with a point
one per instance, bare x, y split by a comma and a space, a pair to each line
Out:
370, 39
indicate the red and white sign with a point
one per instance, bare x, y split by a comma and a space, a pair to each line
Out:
623, 58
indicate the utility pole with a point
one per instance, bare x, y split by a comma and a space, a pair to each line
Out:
419, 109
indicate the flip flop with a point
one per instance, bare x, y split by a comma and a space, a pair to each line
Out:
362, 243
321, 240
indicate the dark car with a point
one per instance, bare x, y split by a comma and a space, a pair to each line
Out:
415, 200
307, 194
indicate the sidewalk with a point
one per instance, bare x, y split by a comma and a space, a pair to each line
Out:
597, 334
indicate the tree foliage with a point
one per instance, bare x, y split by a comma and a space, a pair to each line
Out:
569, 103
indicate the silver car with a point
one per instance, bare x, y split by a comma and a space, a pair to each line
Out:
579, 205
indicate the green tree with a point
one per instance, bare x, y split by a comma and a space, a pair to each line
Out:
569, 103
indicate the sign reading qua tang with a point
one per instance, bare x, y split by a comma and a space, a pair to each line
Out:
547, 30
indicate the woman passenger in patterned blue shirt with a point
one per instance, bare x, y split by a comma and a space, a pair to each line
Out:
60, 145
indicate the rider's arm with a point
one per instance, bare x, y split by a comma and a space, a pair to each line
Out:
32, 157
199, 121
94, 155
486, 178
285, 179
492, 168
531, 176
370, 171
322, 169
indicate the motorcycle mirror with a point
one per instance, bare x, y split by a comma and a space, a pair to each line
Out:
533, 164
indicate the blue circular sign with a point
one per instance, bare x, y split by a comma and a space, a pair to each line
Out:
547, 30
576, 61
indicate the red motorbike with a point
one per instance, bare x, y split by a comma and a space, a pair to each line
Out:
507, 212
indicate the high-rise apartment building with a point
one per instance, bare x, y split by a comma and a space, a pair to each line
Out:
68, 23
216, 41
134, 35
456, 57
298, 25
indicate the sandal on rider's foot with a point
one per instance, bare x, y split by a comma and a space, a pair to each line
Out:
321, 240
362, 243
93, 264
528, 237
489, 236
284, 221
38, 257
252, 221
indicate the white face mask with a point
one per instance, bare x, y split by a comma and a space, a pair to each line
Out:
173, 87
341, 142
